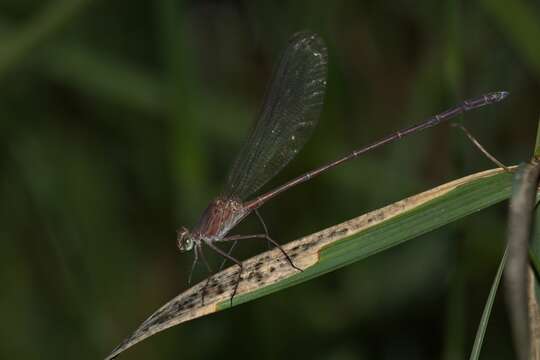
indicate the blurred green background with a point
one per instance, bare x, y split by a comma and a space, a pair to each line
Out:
119, 119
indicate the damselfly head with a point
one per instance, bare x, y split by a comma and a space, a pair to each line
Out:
184, 241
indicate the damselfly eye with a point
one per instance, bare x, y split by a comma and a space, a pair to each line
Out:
184, 240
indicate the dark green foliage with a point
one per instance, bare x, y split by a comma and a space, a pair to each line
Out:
119, 119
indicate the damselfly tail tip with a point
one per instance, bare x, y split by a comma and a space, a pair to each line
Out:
495, 97
501, 95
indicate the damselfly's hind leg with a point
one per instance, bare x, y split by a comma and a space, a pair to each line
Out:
261, 220
235, 238
273, 242
284, 252
266, 236
269, 243
227, 256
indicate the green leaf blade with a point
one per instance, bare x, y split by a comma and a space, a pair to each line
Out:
331, 249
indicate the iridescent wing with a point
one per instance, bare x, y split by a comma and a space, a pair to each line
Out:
289, 113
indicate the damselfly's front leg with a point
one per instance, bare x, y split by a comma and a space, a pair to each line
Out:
195, 259
203, 292
229, 257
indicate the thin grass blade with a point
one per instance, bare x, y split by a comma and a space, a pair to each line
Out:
481, 331
331, 249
